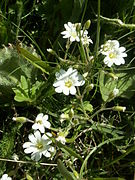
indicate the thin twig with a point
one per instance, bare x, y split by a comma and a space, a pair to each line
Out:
116, 22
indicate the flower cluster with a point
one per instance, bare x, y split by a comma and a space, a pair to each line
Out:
76, 34
39, 144
67, 80
113, 52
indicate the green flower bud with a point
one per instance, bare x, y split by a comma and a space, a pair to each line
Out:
119, 108
87, 24
51, 51
64, 117
114, 93
20, 119
71, 113
78, 27
90, 87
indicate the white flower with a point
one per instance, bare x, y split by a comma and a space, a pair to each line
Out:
109, 46
67, 80
61, 139
113, 52
5, 177
85, 38
38, 145
41, 122
70, 32
115, 56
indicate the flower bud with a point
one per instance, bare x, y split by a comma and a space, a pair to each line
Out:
20, 119
78, 27
87, 24
64, 117
90, 87
114, 93
51, 51
119, 108
71, 113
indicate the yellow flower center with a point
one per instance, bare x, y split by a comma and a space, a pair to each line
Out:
39, 145
112, 55
73, 34
68, 83
39, 121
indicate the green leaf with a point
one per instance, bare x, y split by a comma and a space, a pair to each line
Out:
24, 83
125, 84
106, 128
25, 91
12, 67
63, 170
37, 62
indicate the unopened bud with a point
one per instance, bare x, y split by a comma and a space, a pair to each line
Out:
71, 113
20, 119
87, 24
78, 26
119, 108
51, 51
64, 117
90, 87
114, 93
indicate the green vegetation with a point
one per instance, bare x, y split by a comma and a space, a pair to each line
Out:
92, 125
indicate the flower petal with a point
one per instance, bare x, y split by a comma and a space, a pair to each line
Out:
66, 91
72, 90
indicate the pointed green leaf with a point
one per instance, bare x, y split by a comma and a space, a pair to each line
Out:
125, 84
24, 83
37, 62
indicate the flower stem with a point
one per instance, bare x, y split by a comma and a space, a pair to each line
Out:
98, 30
85, 7
27, 162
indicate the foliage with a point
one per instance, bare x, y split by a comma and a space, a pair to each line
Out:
98, 134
